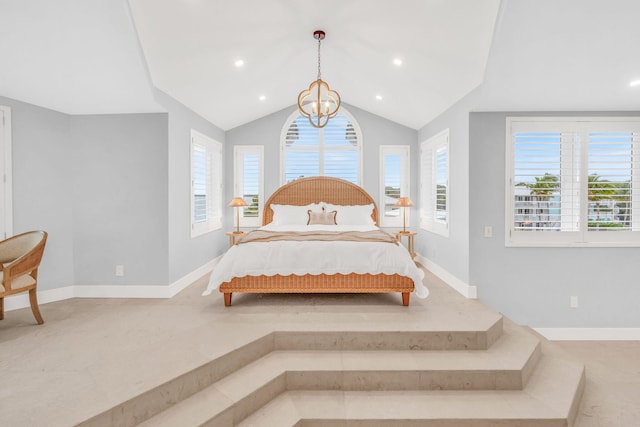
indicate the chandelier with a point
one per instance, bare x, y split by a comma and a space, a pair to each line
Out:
319, 103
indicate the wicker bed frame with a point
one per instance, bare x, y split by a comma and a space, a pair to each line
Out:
302, 192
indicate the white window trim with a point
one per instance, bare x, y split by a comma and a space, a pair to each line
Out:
5, 146
239, 151
582, 238
283, 144
429, 222
215, 222
404, 152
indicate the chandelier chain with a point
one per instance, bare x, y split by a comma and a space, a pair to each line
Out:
319, 40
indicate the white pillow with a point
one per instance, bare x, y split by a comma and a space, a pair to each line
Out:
293, 215
352, 215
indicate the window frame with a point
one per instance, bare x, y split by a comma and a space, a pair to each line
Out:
432, 145
582, 127
239, 151
404, 151
212, 148
283, 145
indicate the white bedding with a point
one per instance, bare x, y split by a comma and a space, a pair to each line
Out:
300, 258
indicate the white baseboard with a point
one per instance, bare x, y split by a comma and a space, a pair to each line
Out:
18, 301
111, 291
188, 279
451, 280
590, 334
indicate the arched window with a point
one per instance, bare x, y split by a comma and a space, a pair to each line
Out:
334, 150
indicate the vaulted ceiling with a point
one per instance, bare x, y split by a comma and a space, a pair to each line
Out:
106, 56
84, 57
191, 47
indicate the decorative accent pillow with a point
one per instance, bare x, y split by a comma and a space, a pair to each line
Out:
293, 215
352, 215
321, 218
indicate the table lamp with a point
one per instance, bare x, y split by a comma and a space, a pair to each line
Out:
404, 202
237, 203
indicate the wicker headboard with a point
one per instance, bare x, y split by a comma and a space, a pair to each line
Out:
304, 191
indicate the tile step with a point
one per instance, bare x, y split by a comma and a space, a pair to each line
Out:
169, 391
406, 409
506, 366
549, 400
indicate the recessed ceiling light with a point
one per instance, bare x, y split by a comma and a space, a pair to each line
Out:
262, 97
635, 83
397, 62
239, 63
379, 97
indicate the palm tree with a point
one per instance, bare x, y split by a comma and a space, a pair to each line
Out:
623, 201
598, 190
542, 190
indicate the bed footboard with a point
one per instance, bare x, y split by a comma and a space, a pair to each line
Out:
322, 283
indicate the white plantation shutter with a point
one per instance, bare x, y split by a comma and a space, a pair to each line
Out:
394, 183
441, 172
427, 194
434, 184
206, 184
334, 150
545, 180
572, 181
249, 182
613, 182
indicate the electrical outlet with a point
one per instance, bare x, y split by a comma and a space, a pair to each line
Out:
119, 270
573, 301
488, 231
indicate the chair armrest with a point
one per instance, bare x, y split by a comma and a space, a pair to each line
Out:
24, 264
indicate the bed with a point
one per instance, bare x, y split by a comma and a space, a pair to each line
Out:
300, 266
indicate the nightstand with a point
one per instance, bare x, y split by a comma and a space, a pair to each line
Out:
410, 235
234, 236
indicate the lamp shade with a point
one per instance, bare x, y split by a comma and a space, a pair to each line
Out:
404, 201
237, 202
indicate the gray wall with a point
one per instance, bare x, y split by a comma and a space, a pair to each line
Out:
533, 285
42, 180
376, 131
119, 167
187, 254
109, 189
452, 252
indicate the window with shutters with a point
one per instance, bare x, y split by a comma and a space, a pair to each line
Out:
334, 150
249, 182
434, 184
206, 184
573, 181
394, 183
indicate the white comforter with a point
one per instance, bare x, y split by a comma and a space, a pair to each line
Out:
300, 258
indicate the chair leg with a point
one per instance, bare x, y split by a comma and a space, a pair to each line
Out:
1, 308
405, 298
227, 299
33, 299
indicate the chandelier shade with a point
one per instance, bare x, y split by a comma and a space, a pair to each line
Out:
319, 103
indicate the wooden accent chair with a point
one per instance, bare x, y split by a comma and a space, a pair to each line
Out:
19, 261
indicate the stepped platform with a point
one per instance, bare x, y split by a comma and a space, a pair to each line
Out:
293, 360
